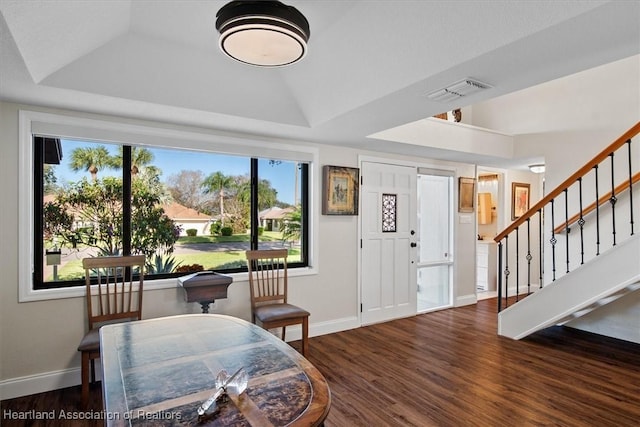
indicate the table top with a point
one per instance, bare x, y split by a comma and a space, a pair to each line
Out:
161, 370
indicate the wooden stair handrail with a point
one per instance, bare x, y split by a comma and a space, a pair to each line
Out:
633, 131
619, 189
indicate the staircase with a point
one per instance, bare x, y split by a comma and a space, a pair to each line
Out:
585, 261
612, 275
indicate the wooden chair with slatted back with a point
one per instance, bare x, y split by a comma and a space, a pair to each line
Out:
268, 287
112, 299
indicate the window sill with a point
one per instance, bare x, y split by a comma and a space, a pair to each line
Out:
150, 285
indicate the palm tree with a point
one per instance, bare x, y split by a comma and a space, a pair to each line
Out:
267, 195
292, 227
139, 157
90, 159
218, 183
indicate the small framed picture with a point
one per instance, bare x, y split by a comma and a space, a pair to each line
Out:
340, 190
466, 194
519, 199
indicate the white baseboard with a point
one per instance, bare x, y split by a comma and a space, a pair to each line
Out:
39, 383
465, 300
54, 380
333, 326
294, 333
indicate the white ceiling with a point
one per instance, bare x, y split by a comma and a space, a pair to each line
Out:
370, 62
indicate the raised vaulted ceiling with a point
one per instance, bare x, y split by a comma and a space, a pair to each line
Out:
369, 65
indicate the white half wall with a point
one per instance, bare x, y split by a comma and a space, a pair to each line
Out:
615, 271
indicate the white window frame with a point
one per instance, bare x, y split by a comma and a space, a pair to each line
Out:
74, 127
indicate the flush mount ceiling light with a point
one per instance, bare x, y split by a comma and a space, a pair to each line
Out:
537, 168
458, 89
263, 33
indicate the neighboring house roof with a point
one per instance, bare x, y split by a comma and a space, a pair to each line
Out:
173, 210
176, 211
51, 198
275, 213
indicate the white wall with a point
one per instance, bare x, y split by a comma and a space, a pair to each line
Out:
520, 279
38, 339
600, 101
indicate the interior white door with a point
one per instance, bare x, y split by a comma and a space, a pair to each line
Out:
388, 223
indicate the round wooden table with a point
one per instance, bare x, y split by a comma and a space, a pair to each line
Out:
160, 370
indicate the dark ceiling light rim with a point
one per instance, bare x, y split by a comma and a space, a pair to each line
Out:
239, 11
267, 21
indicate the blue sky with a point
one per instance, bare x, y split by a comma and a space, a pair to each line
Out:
171, 162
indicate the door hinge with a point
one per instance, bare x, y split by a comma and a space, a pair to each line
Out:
360, 307
360, 243
361, 180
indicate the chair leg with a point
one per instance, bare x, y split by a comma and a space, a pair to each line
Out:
284, 333
93, 371
305, 336
84, 371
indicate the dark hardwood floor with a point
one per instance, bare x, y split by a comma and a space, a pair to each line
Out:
448, 368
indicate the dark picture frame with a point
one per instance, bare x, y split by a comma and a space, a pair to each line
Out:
466, 194
520, 199
340, 190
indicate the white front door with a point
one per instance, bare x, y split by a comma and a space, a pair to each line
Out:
388, 231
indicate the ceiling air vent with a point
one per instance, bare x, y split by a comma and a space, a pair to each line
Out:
458, 89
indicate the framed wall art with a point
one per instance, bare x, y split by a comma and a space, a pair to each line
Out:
519, 199
340, 190
466, 194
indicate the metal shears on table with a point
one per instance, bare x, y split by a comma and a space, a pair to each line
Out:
235, 384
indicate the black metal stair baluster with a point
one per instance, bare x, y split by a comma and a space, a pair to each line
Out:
517, 263
581, 223
529, 257
553, 240
630, 186
506, 271
500, 276
597, 213
613, 199
566, 221
541, 248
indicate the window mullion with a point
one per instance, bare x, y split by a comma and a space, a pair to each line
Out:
126, 199
305, 212
254, 204
38, 220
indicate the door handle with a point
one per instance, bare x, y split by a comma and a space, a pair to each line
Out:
414, 244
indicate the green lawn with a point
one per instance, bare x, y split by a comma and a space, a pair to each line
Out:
214, 260
210, 260
267, 236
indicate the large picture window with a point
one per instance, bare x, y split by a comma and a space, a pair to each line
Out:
185, 210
